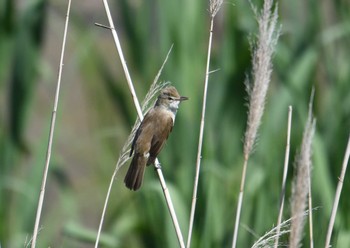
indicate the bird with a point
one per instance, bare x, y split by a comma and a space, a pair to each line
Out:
152, 134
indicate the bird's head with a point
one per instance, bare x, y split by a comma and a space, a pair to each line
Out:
170, 98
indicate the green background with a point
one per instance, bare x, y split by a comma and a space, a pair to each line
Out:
96, 113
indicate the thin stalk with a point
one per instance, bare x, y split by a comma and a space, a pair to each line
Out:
200, 142
285, 172
139, 112
240, 200
105, 208
169, 204
311, 232
51, 132
122, 59
337, 195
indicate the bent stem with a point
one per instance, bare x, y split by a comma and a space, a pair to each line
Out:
140, 115
337, 195
51, 132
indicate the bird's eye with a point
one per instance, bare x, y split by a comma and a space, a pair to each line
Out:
170, 98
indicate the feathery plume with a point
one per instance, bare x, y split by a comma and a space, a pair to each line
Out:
269, 238
261, 74
214, 7
156, 87
300, 189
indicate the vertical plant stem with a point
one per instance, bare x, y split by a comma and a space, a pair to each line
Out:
200, 142
309, 182
311, 232
240, 200
51, 132
139, 112
337, 195
285, 172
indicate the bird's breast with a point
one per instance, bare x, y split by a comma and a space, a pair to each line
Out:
165, 114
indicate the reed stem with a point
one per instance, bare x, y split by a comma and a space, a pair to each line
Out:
51, 133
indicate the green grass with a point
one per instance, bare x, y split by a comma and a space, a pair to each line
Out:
96, 114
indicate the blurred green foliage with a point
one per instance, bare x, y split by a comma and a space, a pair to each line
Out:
96, 114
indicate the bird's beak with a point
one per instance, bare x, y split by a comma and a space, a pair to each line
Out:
183, 98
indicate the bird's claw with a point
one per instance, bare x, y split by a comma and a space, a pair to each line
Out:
157, 166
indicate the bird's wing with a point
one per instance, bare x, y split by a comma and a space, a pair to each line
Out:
137, 134
144, 126
159, 138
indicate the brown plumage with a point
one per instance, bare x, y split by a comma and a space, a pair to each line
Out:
151, 135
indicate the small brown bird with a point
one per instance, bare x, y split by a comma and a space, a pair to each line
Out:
151, 135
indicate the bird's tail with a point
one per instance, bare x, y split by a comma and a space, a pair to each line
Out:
134, 176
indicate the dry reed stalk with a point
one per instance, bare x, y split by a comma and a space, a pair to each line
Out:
140, 115
285, 172
337, 194
51, 132
300, 188
261, 74
122, 59
214, 7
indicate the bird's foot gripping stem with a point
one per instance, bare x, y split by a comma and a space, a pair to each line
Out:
157, 166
